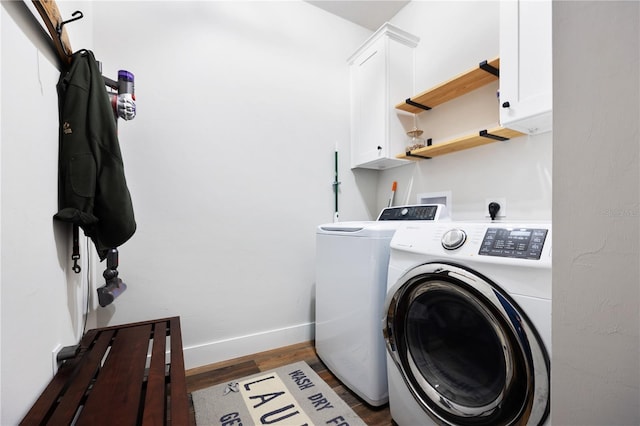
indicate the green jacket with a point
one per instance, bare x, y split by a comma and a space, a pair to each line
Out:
92, 190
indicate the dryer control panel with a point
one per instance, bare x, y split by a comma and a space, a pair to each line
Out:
521, 243
414, 212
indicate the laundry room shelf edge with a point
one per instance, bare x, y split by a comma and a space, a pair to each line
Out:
483, 137
485, 73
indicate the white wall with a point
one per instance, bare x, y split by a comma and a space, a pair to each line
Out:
41, 299
229, 162
455, 37
596, 361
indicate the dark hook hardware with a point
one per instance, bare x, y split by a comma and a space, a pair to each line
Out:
78, 15
76, 268
75, 255
489, 68
486, 134
408, 101
410, 154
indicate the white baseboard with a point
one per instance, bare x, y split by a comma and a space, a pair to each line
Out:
221, 350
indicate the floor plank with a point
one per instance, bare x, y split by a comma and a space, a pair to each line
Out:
213, 374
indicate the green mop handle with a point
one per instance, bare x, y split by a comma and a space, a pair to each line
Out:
335, 187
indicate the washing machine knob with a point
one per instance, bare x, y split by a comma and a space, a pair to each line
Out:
453, 239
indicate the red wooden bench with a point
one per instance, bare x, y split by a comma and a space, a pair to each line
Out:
120, 376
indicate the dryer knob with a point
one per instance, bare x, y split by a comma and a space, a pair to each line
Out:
453, 239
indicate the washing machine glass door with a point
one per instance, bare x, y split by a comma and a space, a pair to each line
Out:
466, 351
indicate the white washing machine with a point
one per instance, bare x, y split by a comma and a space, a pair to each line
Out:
352, 260
467, 324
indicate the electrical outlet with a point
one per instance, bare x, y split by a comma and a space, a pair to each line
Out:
502, 213
54, 358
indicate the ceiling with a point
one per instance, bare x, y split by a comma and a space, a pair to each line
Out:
369, 14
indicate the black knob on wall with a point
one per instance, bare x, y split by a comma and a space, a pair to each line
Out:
506, 105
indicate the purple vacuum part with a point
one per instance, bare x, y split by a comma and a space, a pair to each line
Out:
126, 82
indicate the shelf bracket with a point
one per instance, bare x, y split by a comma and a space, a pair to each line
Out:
416, 104
486, 134
489, 68
409, 154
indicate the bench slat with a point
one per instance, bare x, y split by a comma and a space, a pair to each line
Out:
155, 400
179, 402
115, 398
42, 407
86, 370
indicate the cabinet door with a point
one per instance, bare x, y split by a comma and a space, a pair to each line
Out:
368, 82
525, 65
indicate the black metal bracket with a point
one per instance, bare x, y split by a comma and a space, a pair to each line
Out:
409, 154
489, 68
417, 105
486, 134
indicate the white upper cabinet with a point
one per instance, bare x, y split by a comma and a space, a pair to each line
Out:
381, 73
526, 65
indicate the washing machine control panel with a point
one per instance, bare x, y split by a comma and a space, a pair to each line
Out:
521, 243
413, 212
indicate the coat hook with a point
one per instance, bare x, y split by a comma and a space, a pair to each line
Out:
78, 15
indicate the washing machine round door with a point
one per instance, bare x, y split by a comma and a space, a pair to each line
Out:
466, 351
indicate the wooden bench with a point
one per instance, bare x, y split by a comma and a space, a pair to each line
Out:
120, 376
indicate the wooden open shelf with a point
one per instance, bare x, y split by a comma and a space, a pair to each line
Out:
453, 88
483, 137
485, 73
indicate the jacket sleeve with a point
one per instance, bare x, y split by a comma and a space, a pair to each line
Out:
92, 189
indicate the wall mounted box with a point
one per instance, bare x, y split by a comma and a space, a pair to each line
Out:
381, 72
526, 66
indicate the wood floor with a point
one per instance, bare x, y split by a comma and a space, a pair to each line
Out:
209, 375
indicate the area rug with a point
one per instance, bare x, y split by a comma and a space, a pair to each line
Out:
286, 396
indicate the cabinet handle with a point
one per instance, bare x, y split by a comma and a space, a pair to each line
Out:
506, 105
379, 148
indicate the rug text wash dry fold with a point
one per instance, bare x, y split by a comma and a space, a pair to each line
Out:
292, 395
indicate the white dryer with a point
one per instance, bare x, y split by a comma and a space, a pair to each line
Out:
352, 260
468, 324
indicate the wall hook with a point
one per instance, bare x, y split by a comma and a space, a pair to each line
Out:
78, 15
